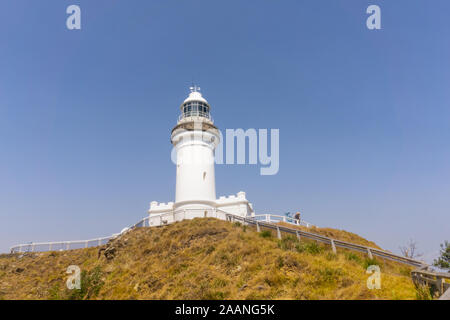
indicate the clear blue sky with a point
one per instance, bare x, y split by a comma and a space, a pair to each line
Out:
364, 116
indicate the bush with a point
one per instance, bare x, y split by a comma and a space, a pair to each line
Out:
266, 234
54, 293
288, 243
329, 275
423, 292
91, 284
370, 262
350, 256
443, 261
309, 247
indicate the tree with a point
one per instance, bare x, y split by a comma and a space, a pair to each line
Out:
410, 250
443, 261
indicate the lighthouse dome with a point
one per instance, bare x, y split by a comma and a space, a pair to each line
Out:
195, 106
195, 96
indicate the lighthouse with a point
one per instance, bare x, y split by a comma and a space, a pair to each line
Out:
194, 139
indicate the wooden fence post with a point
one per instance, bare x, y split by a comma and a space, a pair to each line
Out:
333, 246
440, 285
369, 253
278, 233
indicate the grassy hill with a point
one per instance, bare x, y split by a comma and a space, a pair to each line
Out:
204, 259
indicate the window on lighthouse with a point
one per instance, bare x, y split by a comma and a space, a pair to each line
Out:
196, 109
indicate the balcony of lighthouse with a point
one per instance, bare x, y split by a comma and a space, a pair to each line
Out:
195, 111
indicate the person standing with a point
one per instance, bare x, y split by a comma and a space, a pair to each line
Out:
297, 217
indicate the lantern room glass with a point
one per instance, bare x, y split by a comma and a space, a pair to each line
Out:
196, 109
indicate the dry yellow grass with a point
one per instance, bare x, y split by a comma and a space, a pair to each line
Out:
202, 259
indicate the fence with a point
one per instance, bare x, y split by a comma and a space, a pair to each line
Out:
334, 243
272, 218
61, 245
436, 280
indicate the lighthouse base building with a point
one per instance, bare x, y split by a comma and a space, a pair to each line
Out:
195, 138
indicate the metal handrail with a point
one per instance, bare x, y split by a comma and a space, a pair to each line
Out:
440, 280
333, 242
278, 218
191, 114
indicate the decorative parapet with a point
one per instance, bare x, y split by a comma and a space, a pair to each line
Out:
156, 207
239, 197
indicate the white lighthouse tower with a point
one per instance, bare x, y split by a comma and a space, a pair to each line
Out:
194, 138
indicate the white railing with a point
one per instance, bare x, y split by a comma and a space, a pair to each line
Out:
196, 114
60, 245
155, 220
273, 218
334, 243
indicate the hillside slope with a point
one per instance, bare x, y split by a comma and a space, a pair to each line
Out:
201, 259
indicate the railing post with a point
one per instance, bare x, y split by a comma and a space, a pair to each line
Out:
440, 285
278, 233
258, 229
369, 252
333, 246
298, 235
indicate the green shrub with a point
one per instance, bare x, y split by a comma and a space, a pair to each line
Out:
91, 283
350, 256
266, 234
280, 262
308, 247
54, 293
370, 262
423, 292
329, 275
288, 243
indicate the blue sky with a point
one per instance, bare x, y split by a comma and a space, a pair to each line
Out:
364, 116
